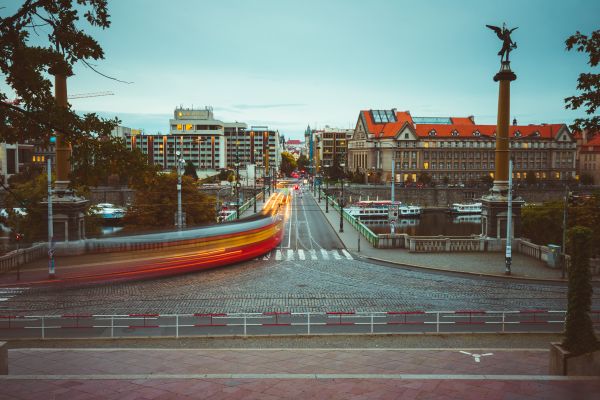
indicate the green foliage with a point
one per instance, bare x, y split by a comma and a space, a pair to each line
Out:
424, 178
357, 177
28, 195
531, 179
190, 170
95, 161
588, 83
155, 204
28, 59
288, 164
586, 179
303, 162
579, 330
548, 216
585, 212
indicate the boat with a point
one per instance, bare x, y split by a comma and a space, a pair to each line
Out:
467, 219
465, 208
108, 211
377, 210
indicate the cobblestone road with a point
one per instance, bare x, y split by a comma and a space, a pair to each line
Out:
309, 273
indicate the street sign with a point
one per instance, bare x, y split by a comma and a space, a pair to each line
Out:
393, 212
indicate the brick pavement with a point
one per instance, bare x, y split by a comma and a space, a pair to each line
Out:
474, 263
326, 373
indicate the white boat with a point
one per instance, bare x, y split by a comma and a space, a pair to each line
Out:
467, 219
466, 208
108, 211
377, 210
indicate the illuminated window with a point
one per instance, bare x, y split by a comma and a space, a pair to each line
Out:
426, 145
179, 127
426, 165
188, 127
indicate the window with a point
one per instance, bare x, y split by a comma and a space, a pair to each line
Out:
406, 136
454, 132
432, 132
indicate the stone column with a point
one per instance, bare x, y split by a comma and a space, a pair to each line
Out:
495, 204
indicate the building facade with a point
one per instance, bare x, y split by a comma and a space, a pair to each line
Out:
329, 147
589, 158
210, 144
455, 150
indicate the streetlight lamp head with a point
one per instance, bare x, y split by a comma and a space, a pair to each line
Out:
177, 153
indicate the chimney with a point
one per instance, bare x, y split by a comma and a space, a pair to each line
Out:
514, 121
472, 118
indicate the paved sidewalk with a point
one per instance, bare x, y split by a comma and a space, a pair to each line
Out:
288, 373
474, 263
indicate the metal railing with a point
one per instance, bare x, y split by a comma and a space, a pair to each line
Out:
357, 224
243, 207
285, 323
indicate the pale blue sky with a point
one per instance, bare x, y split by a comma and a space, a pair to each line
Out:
287, 64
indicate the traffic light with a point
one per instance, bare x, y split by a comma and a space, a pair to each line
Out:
19, 237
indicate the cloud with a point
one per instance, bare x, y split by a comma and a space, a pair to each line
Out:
266, 106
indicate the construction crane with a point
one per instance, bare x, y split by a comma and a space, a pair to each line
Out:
94, 94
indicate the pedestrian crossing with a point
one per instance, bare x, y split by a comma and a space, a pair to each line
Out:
307, 255
7, 293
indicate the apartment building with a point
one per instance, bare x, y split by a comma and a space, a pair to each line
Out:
455, 150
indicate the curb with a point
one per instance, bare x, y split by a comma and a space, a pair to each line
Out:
480, 274
434, 269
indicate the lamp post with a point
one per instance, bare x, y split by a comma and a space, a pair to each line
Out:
327, 190
342, 200
254, 185
237, 187
50, 222
180, 161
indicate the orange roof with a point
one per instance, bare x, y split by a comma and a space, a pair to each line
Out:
593, 145
462, 121
388, 129
461, 126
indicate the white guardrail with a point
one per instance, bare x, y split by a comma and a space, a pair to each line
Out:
268, 323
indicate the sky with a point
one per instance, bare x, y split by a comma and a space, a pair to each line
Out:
289, 63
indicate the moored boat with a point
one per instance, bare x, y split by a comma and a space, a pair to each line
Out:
378, 210
465, 208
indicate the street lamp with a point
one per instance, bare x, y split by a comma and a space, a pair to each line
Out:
342, 165
327, 189
179, 162
237, 186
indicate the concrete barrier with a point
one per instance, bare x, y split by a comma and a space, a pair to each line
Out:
3, 358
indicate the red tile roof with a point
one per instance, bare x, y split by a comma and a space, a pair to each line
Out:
592, 146
389, 129
464, 126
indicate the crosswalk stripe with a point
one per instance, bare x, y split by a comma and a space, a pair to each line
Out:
324, 254
348, 255
290, 255
278, 255
336, 255
313, 254
301, 254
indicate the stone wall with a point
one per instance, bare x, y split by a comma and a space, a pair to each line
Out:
442, 196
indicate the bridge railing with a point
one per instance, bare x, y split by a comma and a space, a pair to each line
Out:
356, 223
281, 322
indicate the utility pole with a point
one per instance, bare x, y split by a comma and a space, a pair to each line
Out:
51, 272
563, 250
179, 162
508, 258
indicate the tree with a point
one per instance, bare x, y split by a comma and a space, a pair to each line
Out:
579, 330
531, 179
548, 215
424, 178
288, 164
586, 179
28, 63
190, 170
587, 83
155, 204
303, 162
94, 161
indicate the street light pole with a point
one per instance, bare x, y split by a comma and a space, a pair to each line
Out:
508, 254
179, 161
254, 187
237, 187
342, 201
50, 222
327, 192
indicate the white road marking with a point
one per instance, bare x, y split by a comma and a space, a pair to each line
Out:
313, 254
476, 357
278, 255
336, 255
348, 255
290, 255
301, 254
324, 254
